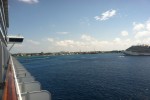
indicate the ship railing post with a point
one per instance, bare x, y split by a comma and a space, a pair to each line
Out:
1, 65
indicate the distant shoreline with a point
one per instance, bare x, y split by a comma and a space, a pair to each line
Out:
63, 53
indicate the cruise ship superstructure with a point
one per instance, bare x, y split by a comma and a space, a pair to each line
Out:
16, 83
138, 50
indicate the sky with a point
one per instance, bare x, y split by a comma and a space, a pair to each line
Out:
79, 25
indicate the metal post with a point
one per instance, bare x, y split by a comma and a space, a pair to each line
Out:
2, 83
1, 61
11, 46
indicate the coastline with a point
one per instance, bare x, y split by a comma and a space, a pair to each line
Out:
63, 53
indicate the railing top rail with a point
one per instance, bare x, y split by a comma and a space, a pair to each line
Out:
16, 82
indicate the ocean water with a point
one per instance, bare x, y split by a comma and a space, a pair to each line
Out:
92, 77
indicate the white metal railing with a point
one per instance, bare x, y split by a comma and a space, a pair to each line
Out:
4, 25
16, 82
3, 13
2, 32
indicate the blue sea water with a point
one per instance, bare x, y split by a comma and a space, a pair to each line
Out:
92, 77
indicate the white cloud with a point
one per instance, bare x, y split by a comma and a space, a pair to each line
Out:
64, 33
124, 33
87, 37
128, 40
29, 1
106, 15
148, 25
138, 27
33, 42
141, 30
142, 34
50, 39
65, 43
117, 40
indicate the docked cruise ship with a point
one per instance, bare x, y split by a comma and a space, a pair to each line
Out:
16, 83
138, 50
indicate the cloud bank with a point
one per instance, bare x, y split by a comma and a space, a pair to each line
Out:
83, 43
124, 33
141, 30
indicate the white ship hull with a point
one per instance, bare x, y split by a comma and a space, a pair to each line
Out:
135, 53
